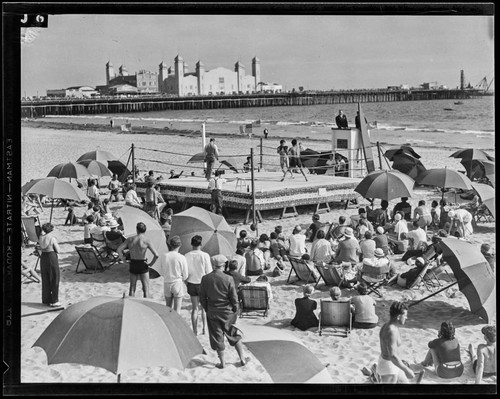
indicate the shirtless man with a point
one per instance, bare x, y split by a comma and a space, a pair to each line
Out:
139, 268
391, 367
484, 364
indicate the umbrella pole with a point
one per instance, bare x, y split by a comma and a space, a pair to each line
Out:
51, 209
254, 220
434, 293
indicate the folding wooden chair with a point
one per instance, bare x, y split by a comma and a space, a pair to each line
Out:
335, 314
331, 274
29, 228
111, 250
302, 271
89, 258
376, 278
253, 299
99, 246
481, 214
425, 278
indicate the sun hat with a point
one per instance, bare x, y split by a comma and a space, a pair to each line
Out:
297, 228
348, 232
315, 216
490, 332
108, 217
113, 224
380, 230
218, 260
420, 261
379, 252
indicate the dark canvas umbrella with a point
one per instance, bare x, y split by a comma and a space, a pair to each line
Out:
119, 334
217, 235
386, 185
95, 168
283, 356
55, 188
487, 195
98, 155
130, 216
403, 149
479, 168
408, 164
444, 178
475, 278
119, 168
69, 170
309, 158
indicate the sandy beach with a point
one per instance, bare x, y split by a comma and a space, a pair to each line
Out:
45, 145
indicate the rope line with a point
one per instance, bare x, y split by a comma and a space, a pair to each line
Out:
188, 155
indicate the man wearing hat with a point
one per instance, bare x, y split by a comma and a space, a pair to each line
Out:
174, 269
114, 237
97, 233
348, 249
297, 243
219, 299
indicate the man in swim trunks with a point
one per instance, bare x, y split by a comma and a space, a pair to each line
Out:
391, 367
174, 269
484, 364
219, 299
139, 268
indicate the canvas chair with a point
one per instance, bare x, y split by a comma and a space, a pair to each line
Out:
335, 314
253, 299
331, 274
111, 250
89, 258
429, 280
29, 228
334, 232
481, 214
302, 271
99, 246
376, 278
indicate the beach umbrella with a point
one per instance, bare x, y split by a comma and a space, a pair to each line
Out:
69, 170
487, 195
218, 237
130, 216
479, 168
386, 185
472, 153
55, 188
309, 158
119, 334
98, 155
444, 178
403, 149
200, 158
475, 278
95, 168
408, 164
30, 184
283, 356
120, 169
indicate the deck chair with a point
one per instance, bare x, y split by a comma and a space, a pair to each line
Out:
481, 214
375, 283
29, 228
111, 250
425, 279
335, 314
331, 274
334, 232
99, 246
89, 258
253, 299
302, 271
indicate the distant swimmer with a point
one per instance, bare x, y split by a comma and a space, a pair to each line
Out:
341, 120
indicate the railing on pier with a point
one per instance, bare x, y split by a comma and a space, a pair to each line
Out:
147, 103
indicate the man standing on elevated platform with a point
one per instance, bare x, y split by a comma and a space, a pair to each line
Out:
341, 120
215, 186
211, 154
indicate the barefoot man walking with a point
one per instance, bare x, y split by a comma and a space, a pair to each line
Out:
390, 367
139, 268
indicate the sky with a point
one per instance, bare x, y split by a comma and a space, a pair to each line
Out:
313, 51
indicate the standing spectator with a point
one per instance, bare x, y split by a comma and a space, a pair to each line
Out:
211, 155
174, 269
114, 187
357, 121
219, 299
198, 264
49, 266
435, 214
138, 267
266, 132
247, 166
313, 228
422, 215
215, 186
305, 317
93, 192
297, 241
341, 120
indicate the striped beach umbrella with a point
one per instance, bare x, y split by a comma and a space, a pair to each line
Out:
283, 355
95, 168
119, 334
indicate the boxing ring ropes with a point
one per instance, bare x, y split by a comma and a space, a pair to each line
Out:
251, 200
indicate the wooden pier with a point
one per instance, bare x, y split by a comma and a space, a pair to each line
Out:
148, 103
270, 192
